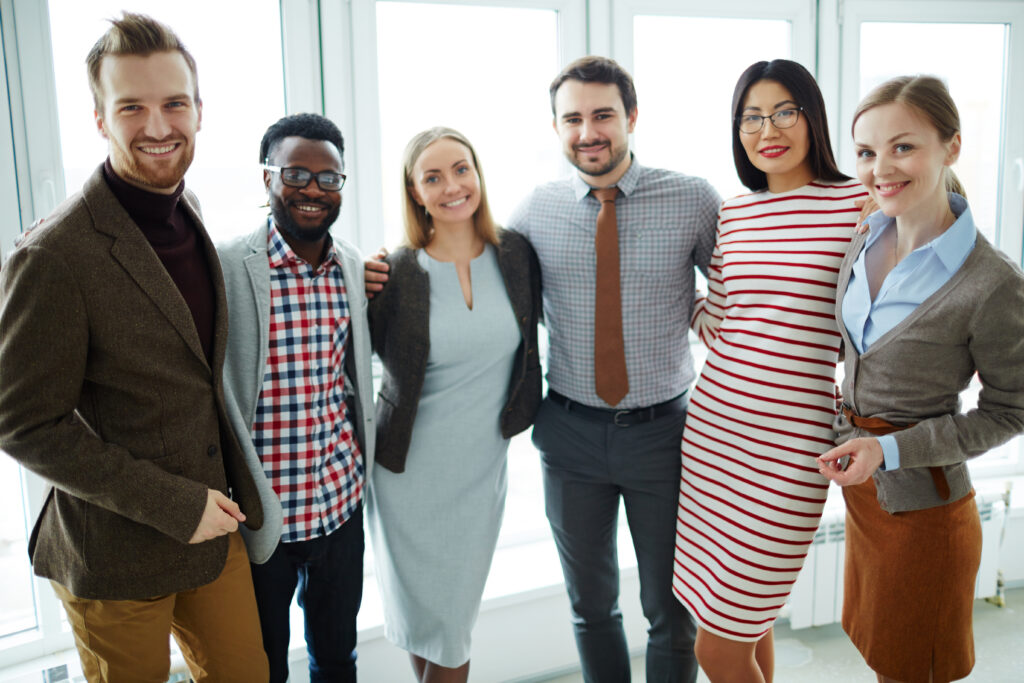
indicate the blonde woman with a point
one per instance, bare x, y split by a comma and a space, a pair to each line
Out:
924, 302
456, 330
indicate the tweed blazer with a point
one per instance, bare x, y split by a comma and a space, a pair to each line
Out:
106, 393
400, 329
247, 281
915, 372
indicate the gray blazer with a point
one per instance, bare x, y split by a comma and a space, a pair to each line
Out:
106, 393
247, 282
915, 372
400, 321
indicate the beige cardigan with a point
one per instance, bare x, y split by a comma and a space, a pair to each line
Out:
916, 371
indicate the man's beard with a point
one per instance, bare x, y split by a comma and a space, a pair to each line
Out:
129, 167
284, 221
615, 158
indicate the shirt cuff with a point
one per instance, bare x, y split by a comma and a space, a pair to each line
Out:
890, 453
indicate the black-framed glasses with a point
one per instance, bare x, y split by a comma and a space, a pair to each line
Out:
296, 176
783, 118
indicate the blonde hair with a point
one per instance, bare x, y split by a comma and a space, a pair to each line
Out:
135, 34
929, 96
418, 223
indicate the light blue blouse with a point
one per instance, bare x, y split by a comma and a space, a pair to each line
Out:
913, 280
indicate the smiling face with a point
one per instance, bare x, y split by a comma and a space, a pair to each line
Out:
149, 117
783, 154
446, 183
902, 160
304, 214
594, 128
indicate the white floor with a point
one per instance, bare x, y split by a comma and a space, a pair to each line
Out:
824, 653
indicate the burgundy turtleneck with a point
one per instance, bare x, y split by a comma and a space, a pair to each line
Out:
175, 239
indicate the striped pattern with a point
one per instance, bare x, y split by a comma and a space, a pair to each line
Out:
750, 494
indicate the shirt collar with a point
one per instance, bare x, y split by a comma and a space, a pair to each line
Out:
280, 254
951, 247
627, 183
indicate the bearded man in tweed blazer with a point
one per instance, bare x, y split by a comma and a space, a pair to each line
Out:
113, 329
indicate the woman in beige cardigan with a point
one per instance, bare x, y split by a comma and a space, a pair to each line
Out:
923, 302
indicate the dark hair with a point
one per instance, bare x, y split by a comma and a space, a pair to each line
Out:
135, 34
930, 97
309, 126
595, 69
802, 86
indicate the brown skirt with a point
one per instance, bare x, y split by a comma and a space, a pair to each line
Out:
909, 586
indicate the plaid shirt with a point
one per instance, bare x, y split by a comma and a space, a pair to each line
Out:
667, 225
303, 432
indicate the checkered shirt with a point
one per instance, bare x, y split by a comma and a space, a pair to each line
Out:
667, 224
303, 431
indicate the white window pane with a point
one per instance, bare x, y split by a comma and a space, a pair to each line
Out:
483, 71
17, 602
685, 71
889, 49
237, 47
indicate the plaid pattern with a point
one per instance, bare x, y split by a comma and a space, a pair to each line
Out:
302, 432
667, 226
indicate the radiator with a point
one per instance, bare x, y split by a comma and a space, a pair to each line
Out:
817, 596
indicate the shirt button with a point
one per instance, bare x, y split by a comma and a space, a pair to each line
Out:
211, 451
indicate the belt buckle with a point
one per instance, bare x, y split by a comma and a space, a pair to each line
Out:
618, 413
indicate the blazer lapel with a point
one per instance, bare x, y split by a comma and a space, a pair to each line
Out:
258, 268
518, 293
131, 250
220, 314
845, 270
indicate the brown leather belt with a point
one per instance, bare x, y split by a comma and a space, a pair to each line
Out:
880, 427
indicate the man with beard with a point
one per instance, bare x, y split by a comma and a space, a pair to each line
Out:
300, 392
619, 364
113, 326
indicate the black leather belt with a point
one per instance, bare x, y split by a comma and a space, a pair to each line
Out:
622, 418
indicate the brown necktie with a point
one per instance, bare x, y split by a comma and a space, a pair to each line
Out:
610, 378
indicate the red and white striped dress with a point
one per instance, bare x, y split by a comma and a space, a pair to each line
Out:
750, 494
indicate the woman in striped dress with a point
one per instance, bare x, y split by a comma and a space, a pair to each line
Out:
751, 495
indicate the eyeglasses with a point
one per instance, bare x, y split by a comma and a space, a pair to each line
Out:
296, 176
783, 118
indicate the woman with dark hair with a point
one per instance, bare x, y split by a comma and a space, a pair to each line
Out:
925, 302
456, 332
751, 495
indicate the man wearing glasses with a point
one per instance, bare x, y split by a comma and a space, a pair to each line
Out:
300, 396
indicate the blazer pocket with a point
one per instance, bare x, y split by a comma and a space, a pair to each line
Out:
116, 546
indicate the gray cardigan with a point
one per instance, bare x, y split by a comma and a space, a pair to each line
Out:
247, 282
400, 329
916, 371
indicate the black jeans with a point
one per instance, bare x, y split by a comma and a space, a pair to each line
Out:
329, 574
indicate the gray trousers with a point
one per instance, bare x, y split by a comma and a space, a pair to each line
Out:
587, 466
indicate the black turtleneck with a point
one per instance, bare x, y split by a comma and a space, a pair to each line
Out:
173, 236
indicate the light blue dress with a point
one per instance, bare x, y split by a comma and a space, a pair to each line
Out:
434, 527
